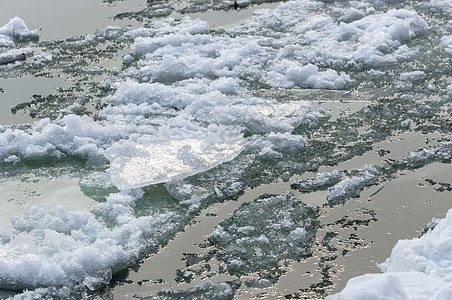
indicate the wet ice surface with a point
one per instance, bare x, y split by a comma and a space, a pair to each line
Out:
161, 124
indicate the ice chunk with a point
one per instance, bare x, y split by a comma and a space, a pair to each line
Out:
352, 186
76, 249
274, 145
351, 15
290, 74
429, 254
318, 182
18, 31
394, 286
441, 152
73, 135
135, 165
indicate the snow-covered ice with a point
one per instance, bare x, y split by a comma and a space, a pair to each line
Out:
16, 31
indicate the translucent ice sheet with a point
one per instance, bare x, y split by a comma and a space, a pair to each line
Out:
137, 165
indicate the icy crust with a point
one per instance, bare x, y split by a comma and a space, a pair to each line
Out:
16, 31
206, 290
70, 250
417, 269
320, 181
263, 233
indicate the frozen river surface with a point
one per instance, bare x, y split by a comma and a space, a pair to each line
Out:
221, 149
